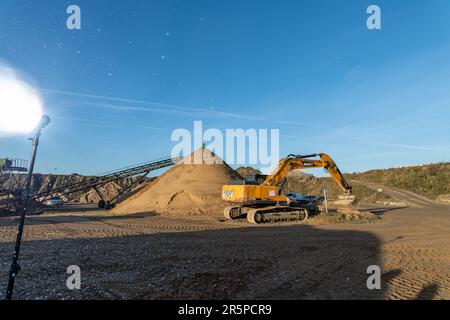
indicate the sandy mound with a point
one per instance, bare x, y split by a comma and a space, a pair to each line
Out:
342, 214
247, 171
443, 199
192, 187
109, 190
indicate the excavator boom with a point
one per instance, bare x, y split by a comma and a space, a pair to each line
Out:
294, 162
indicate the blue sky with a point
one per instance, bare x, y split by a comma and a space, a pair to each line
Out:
137, 70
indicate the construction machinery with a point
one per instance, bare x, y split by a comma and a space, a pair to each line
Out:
262, 200
94, 183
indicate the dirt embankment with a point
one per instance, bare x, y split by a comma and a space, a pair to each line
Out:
110, 191
247, 171
47, 182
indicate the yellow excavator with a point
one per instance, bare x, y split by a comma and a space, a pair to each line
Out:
262, 200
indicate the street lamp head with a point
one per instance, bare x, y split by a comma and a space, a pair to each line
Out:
21, 107
45, 121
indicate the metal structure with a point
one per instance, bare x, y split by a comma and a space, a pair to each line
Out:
13, 165
96, 182
10, 170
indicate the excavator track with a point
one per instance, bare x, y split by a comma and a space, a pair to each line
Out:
276, 214
234, 212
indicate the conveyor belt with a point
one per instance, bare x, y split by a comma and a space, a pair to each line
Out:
94, 182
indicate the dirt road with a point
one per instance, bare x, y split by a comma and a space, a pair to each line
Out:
409, 198
152, 257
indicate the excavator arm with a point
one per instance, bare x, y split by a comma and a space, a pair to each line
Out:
293, 162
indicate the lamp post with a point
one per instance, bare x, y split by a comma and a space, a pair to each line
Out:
15, 268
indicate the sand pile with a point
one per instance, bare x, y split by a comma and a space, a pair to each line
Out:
443, 199
342, 214
247, 171
192, 187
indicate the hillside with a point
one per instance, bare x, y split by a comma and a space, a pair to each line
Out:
47, 182
432, 181
247, 171
303, 183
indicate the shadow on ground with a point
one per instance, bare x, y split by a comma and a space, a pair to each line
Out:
428, 292
379, 211
58, 219
279, 262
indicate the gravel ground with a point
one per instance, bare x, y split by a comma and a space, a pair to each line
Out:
152, 257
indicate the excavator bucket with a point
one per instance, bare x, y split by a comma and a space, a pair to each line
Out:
345, 200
